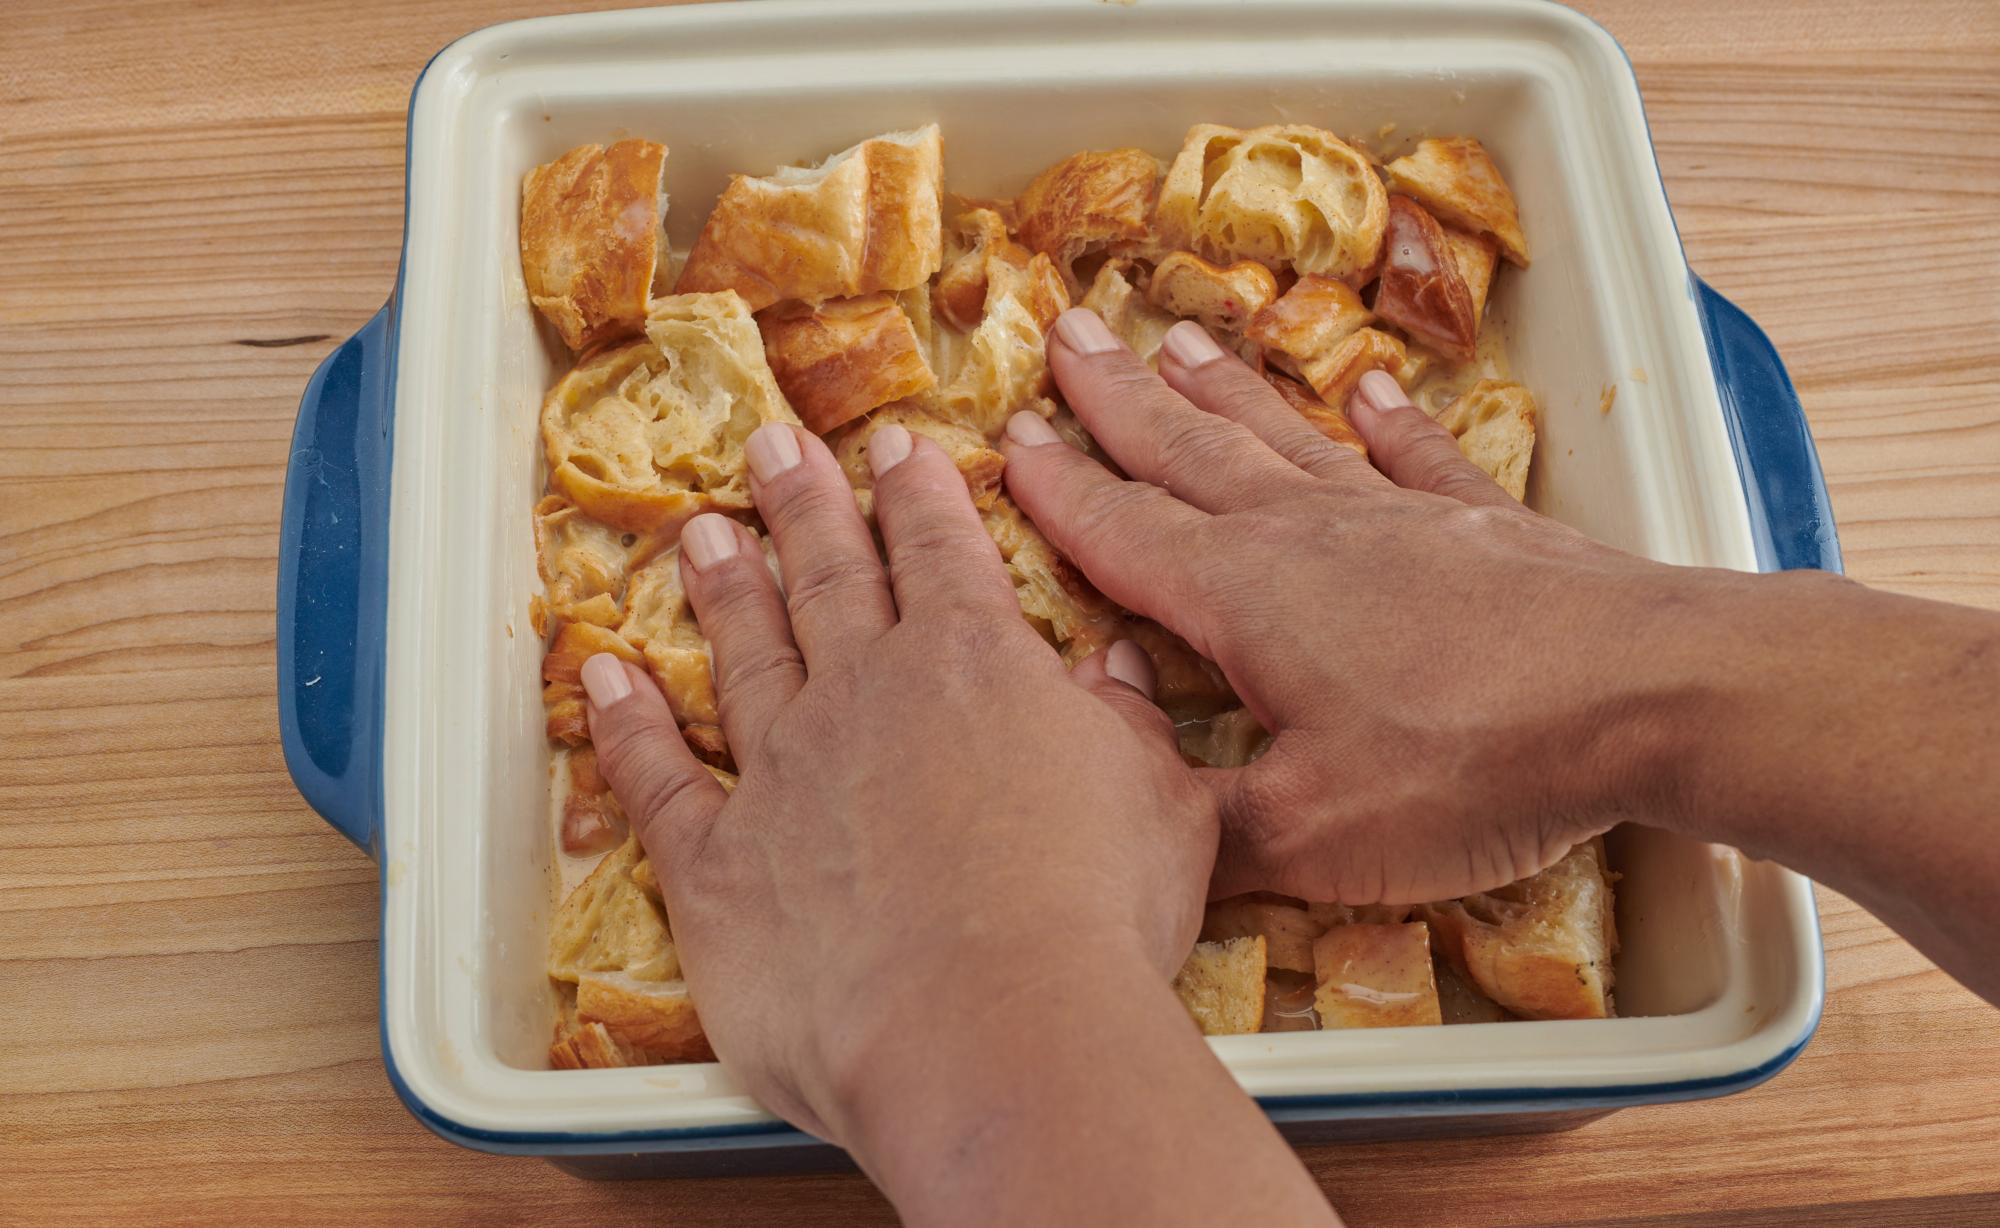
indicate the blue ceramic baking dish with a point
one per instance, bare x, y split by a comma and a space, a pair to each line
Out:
408, 686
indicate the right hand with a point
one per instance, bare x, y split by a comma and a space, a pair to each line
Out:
1457, 687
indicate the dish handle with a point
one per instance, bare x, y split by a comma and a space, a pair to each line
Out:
332, 581
1791, 518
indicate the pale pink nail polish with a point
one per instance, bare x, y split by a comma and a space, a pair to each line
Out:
708, 539
1081, 330
1189, 345
1379, 391
888, 447
1129, 664
605, 680
772, 449
1031, 430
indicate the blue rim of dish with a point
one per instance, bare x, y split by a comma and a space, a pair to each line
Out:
1385, 1106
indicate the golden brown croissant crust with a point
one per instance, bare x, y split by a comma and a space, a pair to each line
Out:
590, 238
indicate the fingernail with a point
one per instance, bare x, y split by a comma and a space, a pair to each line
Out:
1129, 664
1190, 346
887, 448
1031, 430
772, 450
605, 680
1379, 391
1081, 330
710, 538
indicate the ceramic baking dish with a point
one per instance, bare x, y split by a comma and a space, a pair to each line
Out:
408, 677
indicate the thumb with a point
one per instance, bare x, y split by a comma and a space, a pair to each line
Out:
668, 794
1123, 677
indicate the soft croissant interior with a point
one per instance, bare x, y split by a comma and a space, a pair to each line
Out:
846, 296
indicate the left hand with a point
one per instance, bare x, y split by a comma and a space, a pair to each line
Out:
937, 826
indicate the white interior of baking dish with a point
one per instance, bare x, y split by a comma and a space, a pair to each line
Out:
1720, 970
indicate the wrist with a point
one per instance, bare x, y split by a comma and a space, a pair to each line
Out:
1715, 665
1659, 707
930, 1030
975, 1059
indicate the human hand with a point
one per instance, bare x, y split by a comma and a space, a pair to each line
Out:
934, 819
1454, 683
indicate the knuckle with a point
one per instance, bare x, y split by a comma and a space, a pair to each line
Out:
1129, 380
829, 581
1195, 440
1115, 512
651, 780
809, 503
731, 593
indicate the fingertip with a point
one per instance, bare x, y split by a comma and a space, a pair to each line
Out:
605, 681
709, 539
1375, 397
888, 447
1029, 429
1127, 662
1084, 333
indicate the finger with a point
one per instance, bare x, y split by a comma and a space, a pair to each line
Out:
1122, 676
1413, 450
666, 792
1154, 434
1129, 538
941, 560
834, 584
1212, 379
736, 600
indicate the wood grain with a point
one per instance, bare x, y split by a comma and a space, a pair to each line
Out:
197, 199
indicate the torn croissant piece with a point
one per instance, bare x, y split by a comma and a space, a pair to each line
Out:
590, 238
650, 1021
1494, 423
1312, 318
608, 923
1334, 374
577, 643
1222, 986
658, 620
1541, 947
1455, 179
1005, 368
1054, 597
566, 723
609, 938
1091, 202
591, 819
1285, 196
1288, 931
1224, 300
1227, 739
581, 561
837, 361
1375, 976
978, 463
1422, 290
1324, 418
1126, 311
980, 252
1187, 686
645, 436
866, 219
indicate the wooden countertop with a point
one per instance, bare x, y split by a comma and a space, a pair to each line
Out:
198, 199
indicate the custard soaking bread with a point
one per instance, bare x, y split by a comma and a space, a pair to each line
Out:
857, 293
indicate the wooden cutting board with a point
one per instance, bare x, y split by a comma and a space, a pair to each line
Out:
198, 200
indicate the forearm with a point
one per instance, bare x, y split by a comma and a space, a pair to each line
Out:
1083, 1096
1854, 736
